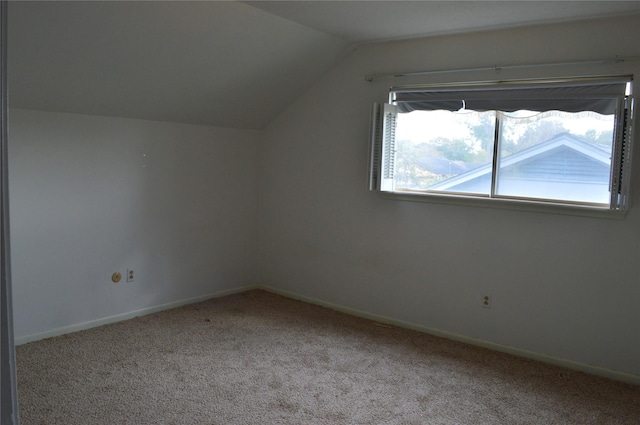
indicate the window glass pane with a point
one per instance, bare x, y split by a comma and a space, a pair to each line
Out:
435, 150
555, 155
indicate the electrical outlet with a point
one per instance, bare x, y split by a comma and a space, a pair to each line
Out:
486, 301
130, 275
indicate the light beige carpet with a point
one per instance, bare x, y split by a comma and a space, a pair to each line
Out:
258, 358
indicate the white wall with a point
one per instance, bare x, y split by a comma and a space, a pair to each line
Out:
178, 204
93, 195
562, 286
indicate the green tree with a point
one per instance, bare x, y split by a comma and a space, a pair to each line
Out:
484, 132
538, 132
602, 138
455, 150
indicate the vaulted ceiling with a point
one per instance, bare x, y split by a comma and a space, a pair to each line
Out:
227, 63
371, 21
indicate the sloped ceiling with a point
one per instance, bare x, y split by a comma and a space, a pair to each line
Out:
227, 64
371, 21
224, 64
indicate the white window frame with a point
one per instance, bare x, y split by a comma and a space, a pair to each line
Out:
382, 158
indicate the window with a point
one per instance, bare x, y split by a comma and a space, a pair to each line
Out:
562, 142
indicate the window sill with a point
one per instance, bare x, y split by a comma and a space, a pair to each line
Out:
510, 204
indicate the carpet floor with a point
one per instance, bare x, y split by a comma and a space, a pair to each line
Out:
259, 358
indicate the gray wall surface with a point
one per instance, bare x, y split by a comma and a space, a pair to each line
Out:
91, 196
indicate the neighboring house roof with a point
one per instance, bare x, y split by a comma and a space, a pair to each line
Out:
564, 157
444, 166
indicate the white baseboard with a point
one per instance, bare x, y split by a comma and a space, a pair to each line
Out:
125, 316
568, 364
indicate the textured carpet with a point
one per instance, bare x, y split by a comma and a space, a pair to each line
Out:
258, 358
